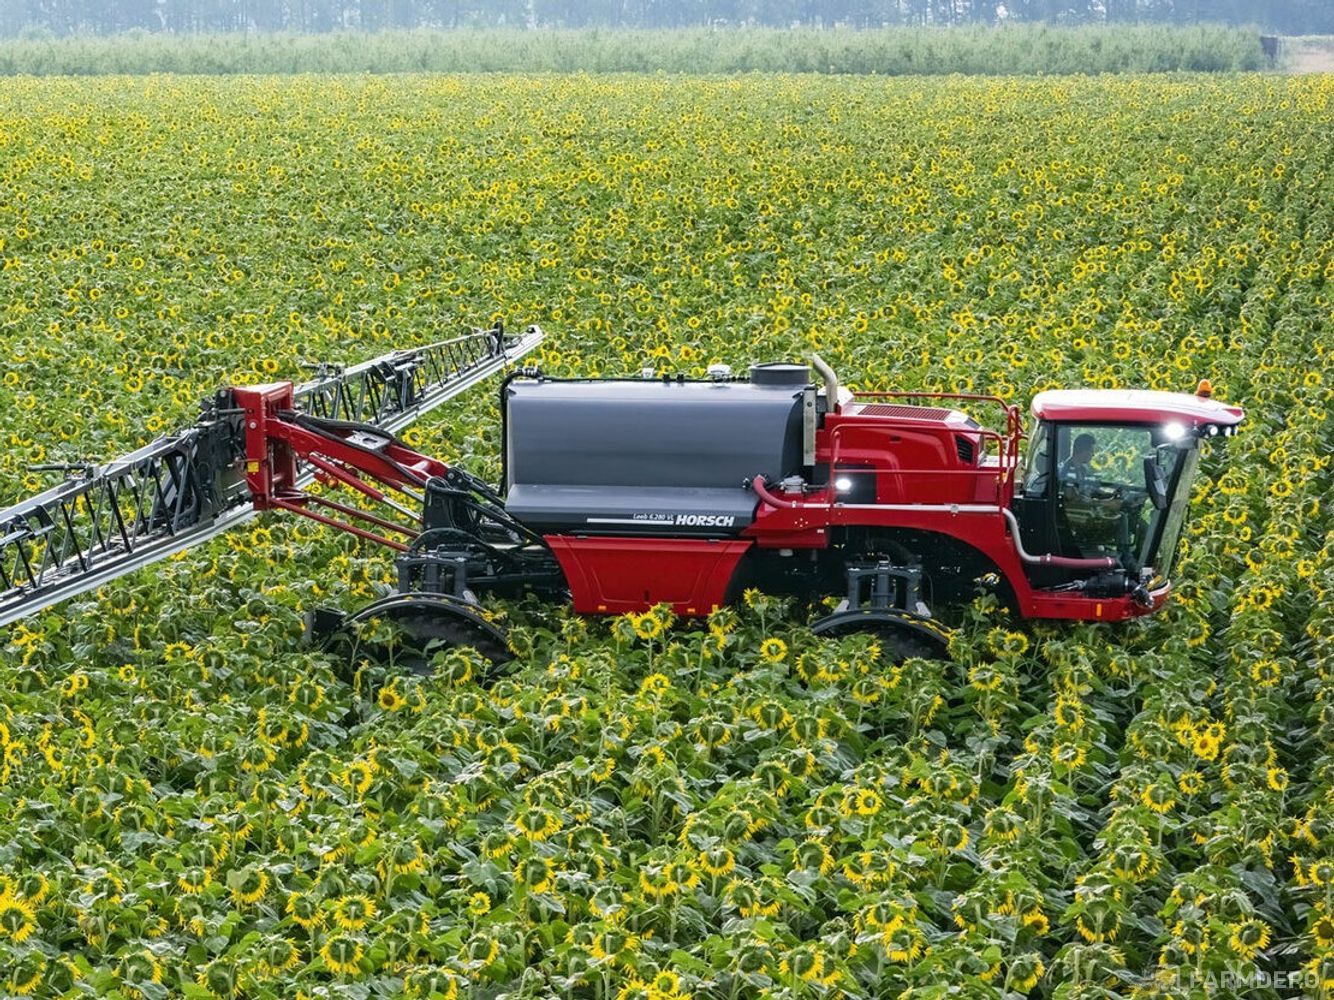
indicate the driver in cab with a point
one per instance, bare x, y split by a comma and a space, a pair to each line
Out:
1079, 482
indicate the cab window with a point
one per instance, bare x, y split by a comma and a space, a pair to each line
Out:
1037, 473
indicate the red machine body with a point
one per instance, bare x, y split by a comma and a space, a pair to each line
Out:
927, 469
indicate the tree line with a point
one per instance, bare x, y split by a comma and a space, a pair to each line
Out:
66, 17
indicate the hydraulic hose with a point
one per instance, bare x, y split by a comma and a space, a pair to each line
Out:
1047, 559
761, 488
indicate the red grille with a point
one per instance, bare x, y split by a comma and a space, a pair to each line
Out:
903, 411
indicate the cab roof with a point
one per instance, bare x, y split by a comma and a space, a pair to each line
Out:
1133, 406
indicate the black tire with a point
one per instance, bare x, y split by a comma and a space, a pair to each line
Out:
423, 625
902, 637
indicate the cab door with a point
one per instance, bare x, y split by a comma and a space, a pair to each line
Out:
1035, 505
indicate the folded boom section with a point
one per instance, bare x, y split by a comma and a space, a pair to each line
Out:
105, 521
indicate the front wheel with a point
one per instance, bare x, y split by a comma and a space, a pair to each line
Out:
902, 634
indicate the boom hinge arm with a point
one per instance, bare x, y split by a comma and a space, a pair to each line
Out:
280, 441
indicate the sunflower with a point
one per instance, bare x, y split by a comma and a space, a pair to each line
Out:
194, 880
648, 625
1036, 921
716, 861
140, 966
951, 837
750, 899
1003, 642
1190, 782
32, 886
1206, 747
809, 964
634, 988
1321, 873
18, 919
481, 951
280, 955
454, 666
985, 677
479, 904
352, 913
537, 823
656, 882
1322, 931
1025, 971
867, 802
1097, 931
251, 886
304, 909
26, 973
683, 874
1158, 797
1248, 938
1069, 713
358, 776
1070, 756
655, 685
1266, 672
902, 942
1003, 824
666, 986
342, 954
613, 942
773, 650
1321, 972
537, 874
390, 698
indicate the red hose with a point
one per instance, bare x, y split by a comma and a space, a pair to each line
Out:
1047, 559
761, 489
1067, 562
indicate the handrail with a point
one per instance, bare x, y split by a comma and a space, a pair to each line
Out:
1002, 472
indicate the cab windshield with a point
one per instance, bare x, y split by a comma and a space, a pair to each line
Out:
1116, 490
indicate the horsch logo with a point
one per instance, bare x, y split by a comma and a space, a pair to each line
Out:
706, 520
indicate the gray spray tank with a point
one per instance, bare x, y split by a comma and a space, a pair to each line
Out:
662, 456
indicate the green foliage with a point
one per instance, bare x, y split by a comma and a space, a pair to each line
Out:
893, 51
194, 804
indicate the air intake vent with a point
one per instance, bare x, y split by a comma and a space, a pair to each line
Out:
904, 412
964, 446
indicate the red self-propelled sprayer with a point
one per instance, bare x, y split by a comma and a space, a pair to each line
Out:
622, 493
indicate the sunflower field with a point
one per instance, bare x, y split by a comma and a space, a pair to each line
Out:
193, 804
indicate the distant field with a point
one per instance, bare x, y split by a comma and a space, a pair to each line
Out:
1308, 54
896, 51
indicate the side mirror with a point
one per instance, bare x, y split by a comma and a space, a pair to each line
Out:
1155, 483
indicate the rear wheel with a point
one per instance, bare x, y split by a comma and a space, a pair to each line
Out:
407, 631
